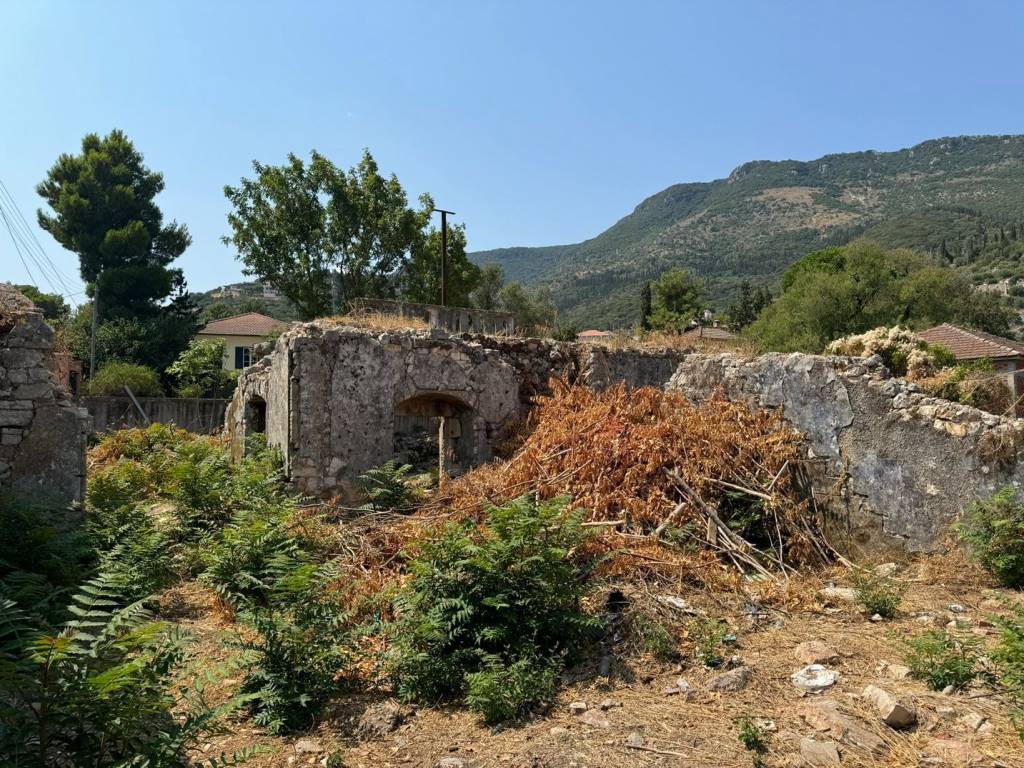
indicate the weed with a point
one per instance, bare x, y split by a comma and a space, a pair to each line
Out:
1008, 656
655, 638
878, 594
993, 530
754, 738
942, 660
708, 636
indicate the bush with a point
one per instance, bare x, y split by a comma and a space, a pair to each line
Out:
942, 660
97, 693
199, 370
753, 737
112, 378
975, 384
902, 352
300, 650
993, 530
504, 595
878, 594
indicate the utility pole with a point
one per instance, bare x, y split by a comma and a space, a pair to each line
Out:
444, 254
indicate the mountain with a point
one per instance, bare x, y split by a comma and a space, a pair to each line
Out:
238, 298
961, 198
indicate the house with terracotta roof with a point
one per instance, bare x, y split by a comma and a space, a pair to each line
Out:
1007, 355
240, 333
594, 335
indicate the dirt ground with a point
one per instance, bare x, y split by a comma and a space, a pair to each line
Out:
645, 726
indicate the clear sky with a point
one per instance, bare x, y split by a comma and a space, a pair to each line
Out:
537, 122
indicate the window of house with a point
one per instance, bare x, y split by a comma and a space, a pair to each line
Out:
243, 357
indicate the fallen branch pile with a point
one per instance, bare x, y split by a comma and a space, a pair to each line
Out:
651, 470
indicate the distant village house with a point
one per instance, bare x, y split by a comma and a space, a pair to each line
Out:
240, 334
1007, 355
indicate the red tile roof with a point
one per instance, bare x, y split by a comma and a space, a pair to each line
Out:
972, 345
249, 324
594, 334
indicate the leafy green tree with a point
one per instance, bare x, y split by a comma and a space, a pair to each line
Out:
748, 305
103, 209
533, 310
112, 378
323, 236
488, 287
842, 291
154, 341
199, 370
422, 279
676, 301
52, 305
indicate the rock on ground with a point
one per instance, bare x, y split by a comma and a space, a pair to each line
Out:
733, 680
819, 753
381, 719
894, 712
815, 652
814, 678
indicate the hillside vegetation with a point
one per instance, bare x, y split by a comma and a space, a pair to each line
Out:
960, 198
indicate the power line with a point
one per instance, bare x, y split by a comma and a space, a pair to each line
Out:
17, 250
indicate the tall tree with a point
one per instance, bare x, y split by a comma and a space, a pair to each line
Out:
485, 295
422, 278
103, 209
323, 236
52, 305
676, 301
747, 306
646, 306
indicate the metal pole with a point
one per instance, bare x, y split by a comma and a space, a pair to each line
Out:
444, 258
444, 254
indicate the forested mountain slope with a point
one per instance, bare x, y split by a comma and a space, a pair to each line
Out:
961, 198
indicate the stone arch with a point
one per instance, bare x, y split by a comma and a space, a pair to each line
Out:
439, 425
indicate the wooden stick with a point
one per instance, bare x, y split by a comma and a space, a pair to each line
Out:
656, 751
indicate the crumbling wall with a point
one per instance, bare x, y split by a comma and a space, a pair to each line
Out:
891, 467
334, 397
42, 433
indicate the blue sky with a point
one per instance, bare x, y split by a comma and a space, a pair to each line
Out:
538, 122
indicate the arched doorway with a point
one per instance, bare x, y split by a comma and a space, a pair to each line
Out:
434, 430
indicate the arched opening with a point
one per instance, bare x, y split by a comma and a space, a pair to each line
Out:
255, 415
434, 431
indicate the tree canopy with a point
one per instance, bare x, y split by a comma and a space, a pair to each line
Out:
323, 236
676, 301
52, 305
102, 207
840, 291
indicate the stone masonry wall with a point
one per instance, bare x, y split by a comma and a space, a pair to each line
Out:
891, 467
332, 395
42, 433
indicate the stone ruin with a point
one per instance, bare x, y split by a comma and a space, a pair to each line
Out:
890, 468
42, 433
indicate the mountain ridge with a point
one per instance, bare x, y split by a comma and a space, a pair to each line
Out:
949, 196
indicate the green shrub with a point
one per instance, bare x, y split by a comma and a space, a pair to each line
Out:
97, 693
300, 651
112, 378
501, 691
507, 594
878, 594
942, 660
387, 487
993, 530
709, 636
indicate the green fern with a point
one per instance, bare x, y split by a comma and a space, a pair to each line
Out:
508, 593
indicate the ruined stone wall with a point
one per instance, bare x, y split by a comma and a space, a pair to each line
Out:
334, 396
891, 468
42, 433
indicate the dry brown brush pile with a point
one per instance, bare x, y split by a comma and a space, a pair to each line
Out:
615, 453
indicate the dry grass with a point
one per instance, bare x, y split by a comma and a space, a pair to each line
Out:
703, 727
376, 321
